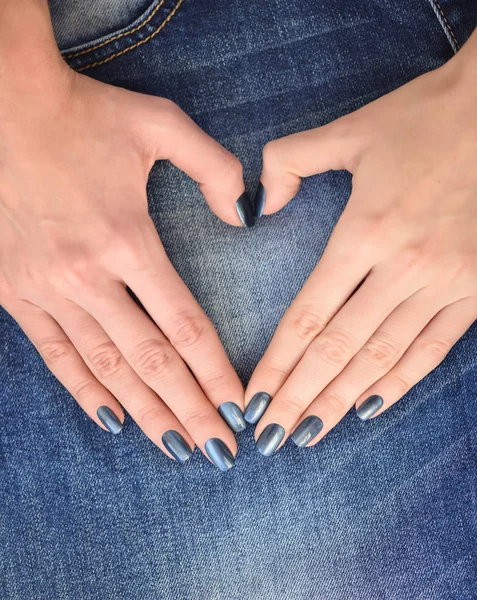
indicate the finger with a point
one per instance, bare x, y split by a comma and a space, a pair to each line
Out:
333, 349
173, 135
156, 362
286, 160
172, 306
67, 366
110, 368
378, 355
339, 272
424, 355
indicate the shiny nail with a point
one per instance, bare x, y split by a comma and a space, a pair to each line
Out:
177, 446
259, 201
256, 407
270, 439
109, 419
245, 210
233, 416
219, 454
308, 429
369, 407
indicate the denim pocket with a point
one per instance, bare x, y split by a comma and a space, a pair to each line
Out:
457, 18
447, 28
101, 50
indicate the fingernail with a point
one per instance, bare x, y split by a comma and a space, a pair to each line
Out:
245, 210
369, 407
257, 406
270, 439
109, 419
308, 429
219, 454
233, 416
177, 446
259, 201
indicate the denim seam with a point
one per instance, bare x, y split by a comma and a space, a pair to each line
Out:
446, 26
79, 63
118, 36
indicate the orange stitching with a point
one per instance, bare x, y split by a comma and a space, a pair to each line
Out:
117, 37
102, 62
447, 24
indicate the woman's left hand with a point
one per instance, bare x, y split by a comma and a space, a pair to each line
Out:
397, 285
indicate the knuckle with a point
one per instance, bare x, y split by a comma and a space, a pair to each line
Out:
149, 413
106, 360
334, 347
131, 243
54, 350
86, 390
380, 352
169, 113
153, 358
276, 371
414, 257
77, 275
459, 271
188, 330
194, 419
295, 404
232, 166
402, 383
272, 154
338, 403
214, 381
308, 323
369, 235
437, 348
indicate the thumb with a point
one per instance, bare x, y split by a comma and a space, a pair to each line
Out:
171, 134
286, 160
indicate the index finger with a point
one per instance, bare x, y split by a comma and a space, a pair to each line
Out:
173, 135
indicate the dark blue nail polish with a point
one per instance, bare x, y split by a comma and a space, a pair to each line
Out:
245, 210
308, 429
109, 419
259, 201
270, 439
369, 407
256, 407
177, 446
219, 454
233, 416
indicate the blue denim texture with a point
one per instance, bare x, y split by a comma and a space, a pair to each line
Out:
384, 509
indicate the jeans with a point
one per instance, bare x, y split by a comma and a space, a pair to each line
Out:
384, 509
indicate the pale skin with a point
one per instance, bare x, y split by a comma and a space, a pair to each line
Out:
75, 155
408, 235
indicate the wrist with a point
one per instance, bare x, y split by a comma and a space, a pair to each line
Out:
30, 62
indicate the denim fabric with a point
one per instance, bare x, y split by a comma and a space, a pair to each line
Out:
77, 23
384, 509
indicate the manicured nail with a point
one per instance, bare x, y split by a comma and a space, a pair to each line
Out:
219, 454
245, 210
177, 446
233, 416
270, 439
369, 407
109, 419
307, 430
257, 406
259, 201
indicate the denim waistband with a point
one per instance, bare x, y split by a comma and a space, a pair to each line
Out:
87, 41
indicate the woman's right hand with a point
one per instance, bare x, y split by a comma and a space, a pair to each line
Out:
75, 232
